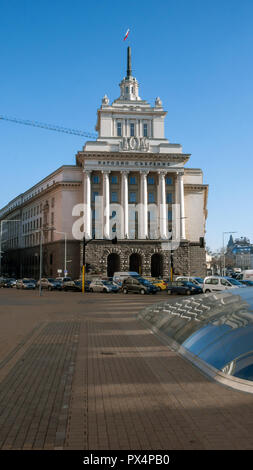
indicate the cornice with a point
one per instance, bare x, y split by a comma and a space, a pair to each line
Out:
57, 185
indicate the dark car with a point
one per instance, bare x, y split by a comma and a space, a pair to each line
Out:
76, 286
9, 282
138, 286
183, 287
247, 282
2, 281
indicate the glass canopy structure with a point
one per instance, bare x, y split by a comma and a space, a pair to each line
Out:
215, 328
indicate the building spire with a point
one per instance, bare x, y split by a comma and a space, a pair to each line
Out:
129, 63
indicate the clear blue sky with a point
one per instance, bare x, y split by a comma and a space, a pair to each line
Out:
59, 58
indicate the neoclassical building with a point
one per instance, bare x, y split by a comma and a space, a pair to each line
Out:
132, 165
130, 183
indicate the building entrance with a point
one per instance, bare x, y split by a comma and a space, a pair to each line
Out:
135, 263
113, 264
156, 265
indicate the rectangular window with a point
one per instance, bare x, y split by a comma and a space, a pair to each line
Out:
132, 129
151, 197
169, 198
114, 179
119, 131
145, 130
52, 218
132, 180
132, 197
168, 180
52, 202
169, 215
114, 196
95, 179
94, 195
151, 180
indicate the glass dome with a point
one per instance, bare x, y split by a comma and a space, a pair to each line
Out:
215, 328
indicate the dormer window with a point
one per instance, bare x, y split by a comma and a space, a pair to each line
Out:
132, 129
119, 129
127, 89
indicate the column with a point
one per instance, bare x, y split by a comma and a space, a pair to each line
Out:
87, 204
181, 202
144, 205
106, 203
163, 208
124, 202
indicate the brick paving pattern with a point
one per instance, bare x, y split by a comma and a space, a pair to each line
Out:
83, 373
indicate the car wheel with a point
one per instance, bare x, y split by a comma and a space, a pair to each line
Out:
91, 290
105, 291
188, 292
169, 292
49, 288
125, 291
142, 291
207, 291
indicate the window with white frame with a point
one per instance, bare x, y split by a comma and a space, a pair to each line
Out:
145, 130
119, 129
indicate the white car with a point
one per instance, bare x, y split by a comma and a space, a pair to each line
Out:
194, 280
217, 284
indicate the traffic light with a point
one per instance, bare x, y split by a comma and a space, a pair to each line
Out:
114, 240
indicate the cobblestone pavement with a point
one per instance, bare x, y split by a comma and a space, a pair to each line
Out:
79, 371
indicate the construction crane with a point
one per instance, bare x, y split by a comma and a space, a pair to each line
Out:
50, 127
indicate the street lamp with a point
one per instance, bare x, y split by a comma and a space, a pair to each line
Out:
41, 238
224, 260
1, 234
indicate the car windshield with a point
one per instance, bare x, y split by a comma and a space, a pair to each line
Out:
27, 281
51, 280
107, 283
199, 280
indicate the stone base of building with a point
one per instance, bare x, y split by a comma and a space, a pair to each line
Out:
145, 257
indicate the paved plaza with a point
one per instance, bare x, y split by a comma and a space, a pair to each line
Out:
79, 371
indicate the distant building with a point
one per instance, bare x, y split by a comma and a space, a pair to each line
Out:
240, 252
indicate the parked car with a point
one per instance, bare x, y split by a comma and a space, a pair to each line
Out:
216, 284
194, 280
120, 276
76, 286
11, 282
26, 284
183, 288
49, 283
138, 285
2, 281
247, 274
159, 283
103, 286
247, 282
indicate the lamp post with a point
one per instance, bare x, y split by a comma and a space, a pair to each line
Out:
1, 234
224, 259
41, 252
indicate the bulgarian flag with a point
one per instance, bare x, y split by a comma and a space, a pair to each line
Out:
126, 35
